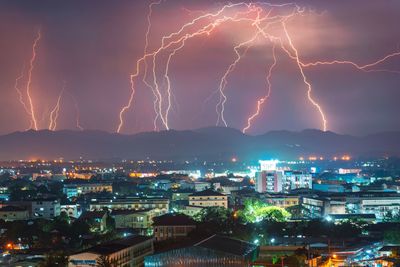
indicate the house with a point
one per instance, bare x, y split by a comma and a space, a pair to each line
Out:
46, 208
124, 252
13, 213
389, 251
96, 219
136, 219
172, 225
208, 198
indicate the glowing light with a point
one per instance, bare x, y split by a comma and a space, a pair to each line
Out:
19, 92
305, 80
77, 113
257, 15
55, 112
29, 82
261, 101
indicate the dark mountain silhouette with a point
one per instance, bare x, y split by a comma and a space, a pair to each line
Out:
213, 143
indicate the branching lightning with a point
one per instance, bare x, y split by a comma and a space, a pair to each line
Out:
261, 101
29, 82
256, 15
55, 111
20, 94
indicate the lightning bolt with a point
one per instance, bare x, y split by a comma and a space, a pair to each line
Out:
149, 25
207, 29
77, 114
19, 92
29, 82
305, 80
365, 68
205, 24
261, 101
55, 112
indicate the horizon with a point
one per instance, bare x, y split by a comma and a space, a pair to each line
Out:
202, 128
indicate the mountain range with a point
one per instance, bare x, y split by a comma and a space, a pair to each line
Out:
212, 143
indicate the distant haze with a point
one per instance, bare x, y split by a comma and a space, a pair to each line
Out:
203, 144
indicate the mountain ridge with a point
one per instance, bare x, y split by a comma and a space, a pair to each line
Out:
209, 143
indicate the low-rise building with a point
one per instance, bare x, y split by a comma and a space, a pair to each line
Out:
97, 220
322, 206
46, 208
172, 225
212, 251
136, 219
124, 252
159, 205
282, 200
13, 213
208, 198
72, 210
76, 189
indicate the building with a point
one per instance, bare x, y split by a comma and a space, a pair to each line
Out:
208, 198
215, 250
76, 189
125, 252
46, 208
190, 210
380, 204
282, 181
135, 219
159, 205
72, 210
172, 226
13, 213
317, 207
97, 220
282, 200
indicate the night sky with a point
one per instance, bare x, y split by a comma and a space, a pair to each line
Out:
91, 47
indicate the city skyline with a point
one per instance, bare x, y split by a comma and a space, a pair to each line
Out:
75, 60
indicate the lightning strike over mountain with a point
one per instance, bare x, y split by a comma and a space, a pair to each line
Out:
55, 111
261, 101
29, 82
20, 94
204, 24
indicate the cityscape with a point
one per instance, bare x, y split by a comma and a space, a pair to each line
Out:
199, 133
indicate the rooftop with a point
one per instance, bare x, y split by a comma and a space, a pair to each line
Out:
173, 219
207, 192
12, 208
117, 245
228, 245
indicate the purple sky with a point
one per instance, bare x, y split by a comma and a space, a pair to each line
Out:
93, 46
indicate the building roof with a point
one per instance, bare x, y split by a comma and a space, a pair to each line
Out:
207, 192
172, 219
117, 245
116, 212
12, 208
93, 215
228, 245
353, 216
390, 248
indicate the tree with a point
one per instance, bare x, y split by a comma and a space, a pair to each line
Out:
105, 261
219, 218
256, 211
55, 259
392, 236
